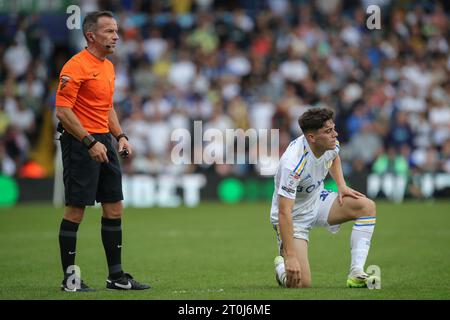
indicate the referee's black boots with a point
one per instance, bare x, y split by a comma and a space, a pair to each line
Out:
69, 286
125, 282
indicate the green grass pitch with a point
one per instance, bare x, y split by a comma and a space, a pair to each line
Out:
217, 251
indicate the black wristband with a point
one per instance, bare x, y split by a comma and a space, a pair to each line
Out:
92, 144
122, 135
89, 141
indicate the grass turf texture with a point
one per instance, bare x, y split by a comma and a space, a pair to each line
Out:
218, 251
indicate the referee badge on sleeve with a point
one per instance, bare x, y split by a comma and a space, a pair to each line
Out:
63, 82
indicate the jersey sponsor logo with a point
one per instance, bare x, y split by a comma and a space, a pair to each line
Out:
309, 188
289, 190
63, 82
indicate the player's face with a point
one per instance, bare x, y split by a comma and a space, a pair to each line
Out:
107, 33
325, 137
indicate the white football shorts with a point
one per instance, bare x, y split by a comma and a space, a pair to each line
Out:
318, 217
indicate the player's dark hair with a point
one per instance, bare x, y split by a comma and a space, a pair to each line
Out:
90, 21
314, 119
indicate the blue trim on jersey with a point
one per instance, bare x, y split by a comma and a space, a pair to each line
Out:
365, 218
300, 161
305, 153
302, 171
302, 167
364, 225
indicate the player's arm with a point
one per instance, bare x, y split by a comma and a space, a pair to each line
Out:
338, 176
336, 172
116, 131
72, 125
287, 190
292, 265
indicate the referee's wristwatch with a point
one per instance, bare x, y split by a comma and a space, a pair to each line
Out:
89, 141
120, 136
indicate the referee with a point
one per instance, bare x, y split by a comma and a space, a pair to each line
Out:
84, 107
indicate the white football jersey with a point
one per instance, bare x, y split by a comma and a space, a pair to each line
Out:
300, 176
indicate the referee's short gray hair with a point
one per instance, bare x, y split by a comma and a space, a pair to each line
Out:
90, 21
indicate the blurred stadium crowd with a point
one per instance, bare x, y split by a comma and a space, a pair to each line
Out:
251, 64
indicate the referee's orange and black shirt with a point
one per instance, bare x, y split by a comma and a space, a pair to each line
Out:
87, 87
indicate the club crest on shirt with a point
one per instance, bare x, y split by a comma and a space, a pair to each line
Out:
293, 179
294, 176
63, 82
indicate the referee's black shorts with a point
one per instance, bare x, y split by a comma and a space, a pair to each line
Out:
86, 180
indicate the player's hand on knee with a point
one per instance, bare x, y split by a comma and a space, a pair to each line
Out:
346, 191
98, 152
293, 272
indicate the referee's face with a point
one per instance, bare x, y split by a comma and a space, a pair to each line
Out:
106, 34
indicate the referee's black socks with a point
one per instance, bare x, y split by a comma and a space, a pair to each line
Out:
67, 244
112, 242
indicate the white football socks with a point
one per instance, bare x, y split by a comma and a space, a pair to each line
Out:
360, 242
281, 273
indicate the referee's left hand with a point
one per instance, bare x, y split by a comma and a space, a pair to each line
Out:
124, 144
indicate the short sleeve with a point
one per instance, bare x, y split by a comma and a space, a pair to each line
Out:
289, 181
332, 154
69, 84
337, 148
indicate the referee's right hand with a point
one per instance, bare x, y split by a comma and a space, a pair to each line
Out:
98, 152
